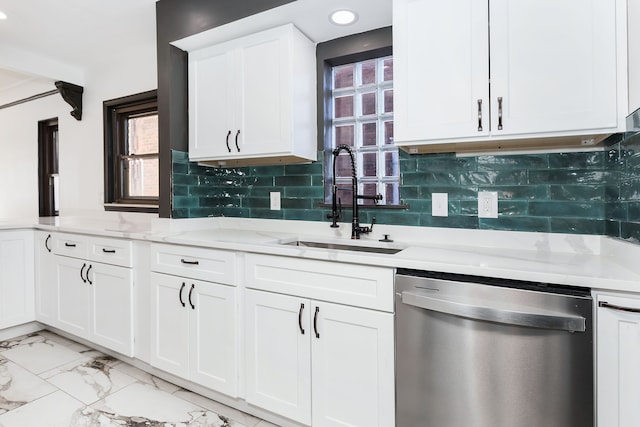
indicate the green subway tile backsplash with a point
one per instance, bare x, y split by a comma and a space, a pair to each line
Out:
595, 192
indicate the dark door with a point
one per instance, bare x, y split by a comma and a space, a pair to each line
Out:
48, 167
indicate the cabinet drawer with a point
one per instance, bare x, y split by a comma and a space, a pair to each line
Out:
110, 251
357, 285
73, 245
197, 263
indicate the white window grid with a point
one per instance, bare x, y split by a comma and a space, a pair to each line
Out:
381, 180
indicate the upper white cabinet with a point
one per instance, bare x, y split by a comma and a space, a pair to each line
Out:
618, 352
633, 40
491, 70
252, 100
16, 277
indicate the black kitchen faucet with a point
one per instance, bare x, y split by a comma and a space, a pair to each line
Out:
336, 211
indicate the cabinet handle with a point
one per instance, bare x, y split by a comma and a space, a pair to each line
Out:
82, 272
605, 304
46, 243
190, 292
228, 135
479, 115
237, 146
108, 251
180, 293
499, 113
88, 270
315, 322
184, 261
300, 318
70, 245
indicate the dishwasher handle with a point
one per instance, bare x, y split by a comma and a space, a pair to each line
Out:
525, 317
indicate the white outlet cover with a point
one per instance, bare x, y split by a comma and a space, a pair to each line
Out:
439, 204
275, 200
488, 204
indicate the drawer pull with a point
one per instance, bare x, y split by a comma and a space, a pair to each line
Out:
82, 272
184, 261
193, 307
70, 245
605, 304
180, 294
108, 251
300, 318
315, 322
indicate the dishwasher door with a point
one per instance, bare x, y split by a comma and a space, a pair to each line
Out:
478, 355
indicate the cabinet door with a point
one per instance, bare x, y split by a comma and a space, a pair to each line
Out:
441, 69
212, 99
169, 324
277, 354
618, 353
213, 346
553, 65
16, 278
45, 291
353, 367
73, 293
265, 116
112, 306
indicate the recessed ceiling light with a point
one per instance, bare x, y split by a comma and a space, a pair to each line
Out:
343, 17
3, 15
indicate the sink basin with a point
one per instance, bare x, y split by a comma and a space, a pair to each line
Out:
342, 247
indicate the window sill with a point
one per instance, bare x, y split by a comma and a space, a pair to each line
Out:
122, 207
345, 206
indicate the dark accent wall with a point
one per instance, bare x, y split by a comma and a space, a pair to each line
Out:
176, 19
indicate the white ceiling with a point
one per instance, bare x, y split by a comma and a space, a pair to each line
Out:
44, 40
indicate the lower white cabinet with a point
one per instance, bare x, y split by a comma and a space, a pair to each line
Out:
45, 273
193, 331
16, 277
95, 302
318, 363
617, 360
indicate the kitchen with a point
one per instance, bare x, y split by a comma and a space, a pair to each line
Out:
556, 205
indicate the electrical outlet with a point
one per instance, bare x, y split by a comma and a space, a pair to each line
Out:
488, 204
439, 204
275, 200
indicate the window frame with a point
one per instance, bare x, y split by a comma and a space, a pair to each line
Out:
116, 112
345, 50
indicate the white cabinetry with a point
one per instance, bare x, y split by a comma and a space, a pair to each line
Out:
633, 40
252, 99
94, 289
194, 322
317, 362
16, 277
618, 352
45, 271
540, 69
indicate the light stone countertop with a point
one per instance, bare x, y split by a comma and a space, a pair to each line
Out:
597, 262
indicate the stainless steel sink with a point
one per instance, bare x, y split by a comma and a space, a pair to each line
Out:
342, 247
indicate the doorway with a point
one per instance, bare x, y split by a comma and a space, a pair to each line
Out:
48, 167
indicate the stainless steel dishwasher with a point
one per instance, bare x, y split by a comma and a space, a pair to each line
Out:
477, 352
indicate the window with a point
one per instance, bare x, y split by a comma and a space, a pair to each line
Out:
131, 153
361, 116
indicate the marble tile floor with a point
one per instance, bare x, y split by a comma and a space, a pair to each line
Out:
49, 381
